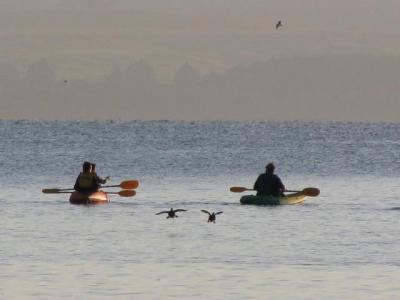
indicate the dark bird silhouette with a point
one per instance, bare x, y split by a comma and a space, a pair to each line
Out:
211, 216
279, 24
65, 81
171, 212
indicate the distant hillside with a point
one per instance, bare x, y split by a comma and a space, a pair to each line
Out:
326, 88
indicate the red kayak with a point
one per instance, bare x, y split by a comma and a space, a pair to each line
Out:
98, 197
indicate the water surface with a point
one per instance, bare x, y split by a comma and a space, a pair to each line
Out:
342, 244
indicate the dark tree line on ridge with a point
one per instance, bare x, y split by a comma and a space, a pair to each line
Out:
336, 88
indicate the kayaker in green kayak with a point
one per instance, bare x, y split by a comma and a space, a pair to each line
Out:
269, 183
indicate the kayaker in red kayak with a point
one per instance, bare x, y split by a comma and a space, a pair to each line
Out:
88, 181
98, 179
269, 183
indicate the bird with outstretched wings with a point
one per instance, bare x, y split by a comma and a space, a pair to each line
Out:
171, 213
211, 216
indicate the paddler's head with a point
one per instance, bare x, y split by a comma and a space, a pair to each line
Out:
270, 168
86, 167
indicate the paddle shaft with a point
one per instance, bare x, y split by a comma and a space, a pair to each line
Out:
288, 191
246, 189
311, 192
127, 185
123, 193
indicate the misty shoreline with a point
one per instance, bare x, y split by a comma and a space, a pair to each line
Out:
342, 88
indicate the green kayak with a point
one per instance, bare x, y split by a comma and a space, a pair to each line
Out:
272, 200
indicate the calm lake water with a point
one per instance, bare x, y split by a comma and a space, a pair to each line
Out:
343, 244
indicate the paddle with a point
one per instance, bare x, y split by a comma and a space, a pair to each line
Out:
311, 192
126, 185
123, 193
55, 191
239, 189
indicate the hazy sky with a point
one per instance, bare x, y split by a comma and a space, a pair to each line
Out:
87, 39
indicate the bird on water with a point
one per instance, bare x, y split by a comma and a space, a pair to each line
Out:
211, 216
171, 213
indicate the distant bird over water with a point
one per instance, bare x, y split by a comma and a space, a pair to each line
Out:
211, 216
171, 212
279, 24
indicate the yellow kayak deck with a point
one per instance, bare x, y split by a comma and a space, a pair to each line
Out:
294, 198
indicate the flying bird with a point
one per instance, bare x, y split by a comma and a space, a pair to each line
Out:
211, 216
171, 212
279, 24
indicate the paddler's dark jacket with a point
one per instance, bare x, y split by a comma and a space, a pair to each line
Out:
86, 183
268, 184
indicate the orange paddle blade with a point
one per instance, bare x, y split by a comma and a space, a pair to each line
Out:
50, 191
129, 184
239, 189
311, 192
127, 193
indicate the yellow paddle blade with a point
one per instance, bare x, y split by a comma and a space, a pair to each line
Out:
239, 189
129, 184
127, 193
311, 192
